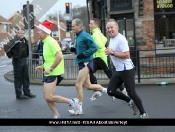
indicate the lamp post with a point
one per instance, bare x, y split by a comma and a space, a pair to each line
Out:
58, 19
71, 17
29, 36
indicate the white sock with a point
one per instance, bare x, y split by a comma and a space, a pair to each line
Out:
71, 102
104, 90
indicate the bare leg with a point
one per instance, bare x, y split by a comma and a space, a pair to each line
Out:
89, 86
49, 89
82, 75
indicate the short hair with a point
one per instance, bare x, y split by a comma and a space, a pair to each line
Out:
19, 28
78, 22
113, 20
96, 21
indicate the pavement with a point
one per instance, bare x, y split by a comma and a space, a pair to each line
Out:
10, 77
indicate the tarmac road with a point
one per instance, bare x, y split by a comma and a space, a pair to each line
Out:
157, 100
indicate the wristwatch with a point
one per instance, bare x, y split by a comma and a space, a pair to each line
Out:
112, 53
51, 69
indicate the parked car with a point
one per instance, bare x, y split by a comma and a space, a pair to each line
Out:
66, 44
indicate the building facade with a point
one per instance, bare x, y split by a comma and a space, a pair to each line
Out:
4, 36
146, 24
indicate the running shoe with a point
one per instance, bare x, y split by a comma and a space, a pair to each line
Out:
75, 106
56, 117
125, 92
144, 116
72, 112
113, 98
95, 95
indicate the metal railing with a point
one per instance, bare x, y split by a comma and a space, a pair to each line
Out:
146, 68
157, 67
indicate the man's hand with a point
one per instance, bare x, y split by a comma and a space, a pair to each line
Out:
108, 51
47, 71
80, 56
38, 68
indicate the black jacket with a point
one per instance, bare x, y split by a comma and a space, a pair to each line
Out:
17, 48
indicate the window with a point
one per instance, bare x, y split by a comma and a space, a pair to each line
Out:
118, 5
164, 17
55, 34
4, 28
140, 7
164, 27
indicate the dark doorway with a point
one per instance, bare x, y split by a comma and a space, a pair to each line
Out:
127, 28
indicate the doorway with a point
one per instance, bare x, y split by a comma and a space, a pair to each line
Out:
127, 28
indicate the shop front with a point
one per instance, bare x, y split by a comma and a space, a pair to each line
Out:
164, 19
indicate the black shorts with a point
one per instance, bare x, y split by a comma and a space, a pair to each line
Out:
89, 64
99, 64
50, 79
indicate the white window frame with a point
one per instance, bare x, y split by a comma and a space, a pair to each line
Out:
55, 34
4, 28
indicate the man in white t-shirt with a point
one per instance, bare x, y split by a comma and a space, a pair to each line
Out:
125, 71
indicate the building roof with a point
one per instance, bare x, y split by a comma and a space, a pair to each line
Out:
4, 20
16, 13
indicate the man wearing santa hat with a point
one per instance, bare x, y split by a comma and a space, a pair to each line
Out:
53, 67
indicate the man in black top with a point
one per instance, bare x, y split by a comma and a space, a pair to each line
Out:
17, 49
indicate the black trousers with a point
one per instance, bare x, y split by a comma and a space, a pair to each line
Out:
126, 77
21, 76
99, 64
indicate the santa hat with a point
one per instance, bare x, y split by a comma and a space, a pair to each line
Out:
46, 26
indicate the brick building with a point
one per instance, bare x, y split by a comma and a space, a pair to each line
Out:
146, 24
17, 20
4, 36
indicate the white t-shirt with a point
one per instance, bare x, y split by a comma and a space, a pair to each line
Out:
120, 44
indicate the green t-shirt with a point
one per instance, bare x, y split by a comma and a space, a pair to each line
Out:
50, 47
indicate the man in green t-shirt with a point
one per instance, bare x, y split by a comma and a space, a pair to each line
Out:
53, 68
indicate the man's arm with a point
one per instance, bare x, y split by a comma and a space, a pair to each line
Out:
123, 55
58, 59
92, 46
8, 47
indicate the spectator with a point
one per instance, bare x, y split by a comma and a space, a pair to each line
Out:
17, 49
